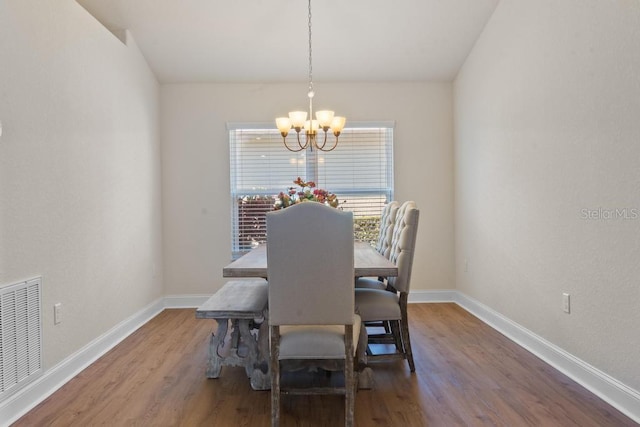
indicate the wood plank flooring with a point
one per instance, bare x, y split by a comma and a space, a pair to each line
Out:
467, 374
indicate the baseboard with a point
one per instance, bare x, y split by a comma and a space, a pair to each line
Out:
618, 395
185, 301
432, 296
612, 391
54, 378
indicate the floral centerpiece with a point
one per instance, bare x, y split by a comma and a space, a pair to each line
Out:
307, 193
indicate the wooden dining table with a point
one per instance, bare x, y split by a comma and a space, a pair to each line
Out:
367, 263
366, 260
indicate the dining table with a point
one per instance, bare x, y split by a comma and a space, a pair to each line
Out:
368, 262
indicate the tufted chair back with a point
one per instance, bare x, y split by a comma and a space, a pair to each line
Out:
387, 219
403, 245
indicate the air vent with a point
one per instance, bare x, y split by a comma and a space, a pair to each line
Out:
20, 335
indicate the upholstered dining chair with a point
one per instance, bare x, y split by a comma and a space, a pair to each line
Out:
312, 320
387, 219
383, 244
390, 305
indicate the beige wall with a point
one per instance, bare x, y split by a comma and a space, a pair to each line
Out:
196, 167
79, 170
547, 127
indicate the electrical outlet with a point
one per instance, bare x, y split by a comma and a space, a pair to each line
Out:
57, 308
466, 265
566, 303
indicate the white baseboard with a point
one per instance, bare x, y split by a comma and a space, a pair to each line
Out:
185, 301
52, 379
432, 296
612, 391
620, 396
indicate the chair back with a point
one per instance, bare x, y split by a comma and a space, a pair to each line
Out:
403, 245
387, 219
310, 265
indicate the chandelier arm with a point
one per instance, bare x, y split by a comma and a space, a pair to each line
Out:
302, 146
324, 142
335, 144
284, 141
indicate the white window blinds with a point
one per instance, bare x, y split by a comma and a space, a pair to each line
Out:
359, 171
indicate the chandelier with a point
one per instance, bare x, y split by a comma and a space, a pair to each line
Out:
297, 120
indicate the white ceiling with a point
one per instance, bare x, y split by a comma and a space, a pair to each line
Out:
267, 40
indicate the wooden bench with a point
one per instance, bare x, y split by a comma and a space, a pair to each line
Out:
244, 304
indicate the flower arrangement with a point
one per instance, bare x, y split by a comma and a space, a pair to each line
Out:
307, 193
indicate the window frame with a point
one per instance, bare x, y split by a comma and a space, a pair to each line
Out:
311, 172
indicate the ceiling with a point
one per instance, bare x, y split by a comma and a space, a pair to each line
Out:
267, 40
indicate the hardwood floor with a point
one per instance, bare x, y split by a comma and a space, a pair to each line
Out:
467, 374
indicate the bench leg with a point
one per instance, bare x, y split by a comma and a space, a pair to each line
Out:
242, 350
251, 358
214, 364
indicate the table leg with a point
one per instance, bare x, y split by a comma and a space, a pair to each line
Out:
364, 372
261, 376
250, 359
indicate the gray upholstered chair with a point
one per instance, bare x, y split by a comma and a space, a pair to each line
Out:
387, 219
312, 320
383, 245
390, 305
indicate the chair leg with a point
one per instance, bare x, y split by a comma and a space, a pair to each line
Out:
404, 329
396, 333
387, 327
275, 376
349, 377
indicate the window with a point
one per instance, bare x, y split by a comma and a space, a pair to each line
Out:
359, 171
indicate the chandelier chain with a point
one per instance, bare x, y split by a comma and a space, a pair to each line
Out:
310, 51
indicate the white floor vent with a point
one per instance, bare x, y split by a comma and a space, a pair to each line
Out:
20, 335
